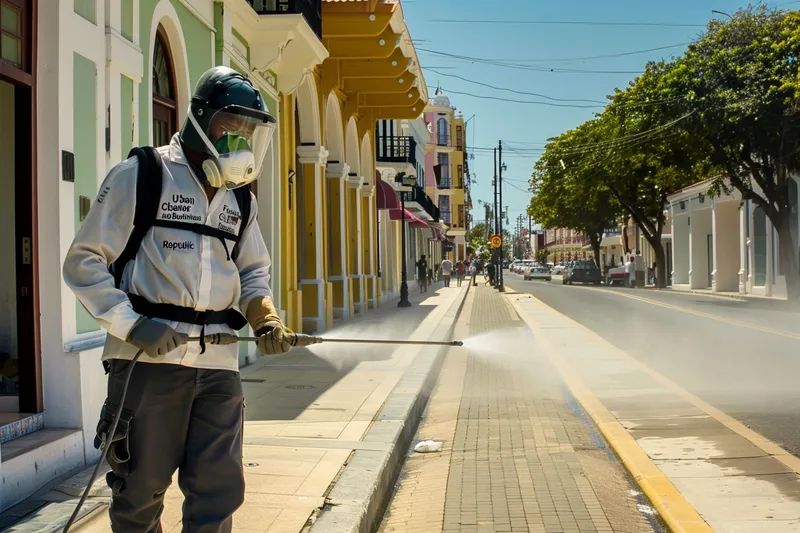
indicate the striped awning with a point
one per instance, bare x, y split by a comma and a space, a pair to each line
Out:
386, 197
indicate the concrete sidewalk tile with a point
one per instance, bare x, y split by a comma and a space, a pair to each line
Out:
319, 479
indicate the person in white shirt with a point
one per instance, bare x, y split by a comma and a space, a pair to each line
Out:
447, 271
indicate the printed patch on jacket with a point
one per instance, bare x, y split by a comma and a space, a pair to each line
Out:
229, 219
180, 208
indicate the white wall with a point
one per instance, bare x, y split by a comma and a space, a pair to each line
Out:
726, 247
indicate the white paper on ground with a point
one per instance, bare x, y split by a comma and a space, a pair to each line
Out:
428, 446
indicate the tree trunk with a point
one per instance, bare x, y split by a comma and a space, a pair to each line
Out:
661, 264
594, 240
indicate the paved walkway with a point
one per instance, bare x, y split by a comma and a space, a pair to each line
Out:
519, 454
306, 412
703, 470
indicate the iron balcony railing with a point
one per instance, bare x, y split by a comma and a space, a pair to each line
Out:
445, 216
445, 182
443, 138
396, 150
418, 195
310, 9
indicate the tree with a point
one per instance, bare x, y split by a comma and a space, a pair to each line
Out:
741, 84
541, 256
569, 195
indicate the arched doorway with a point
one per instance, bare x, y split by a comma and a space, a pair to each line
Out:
165, 115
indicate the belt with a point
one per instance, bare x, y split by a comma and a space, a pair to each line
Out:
233, 318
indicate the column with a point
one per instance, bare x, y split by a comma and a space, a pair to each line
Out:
744, 256
356, 270
312, 279
368, 236
337, 230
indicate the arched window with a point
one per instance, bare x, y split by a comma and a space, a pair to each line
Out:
165, 116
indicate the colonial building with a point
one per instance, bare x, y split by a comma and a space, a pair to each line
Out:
84, 81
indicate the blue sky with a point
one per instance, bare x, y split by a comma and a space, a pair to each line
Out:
527, 127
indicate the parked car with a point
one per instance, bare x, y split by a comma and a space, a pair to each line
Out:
618, 276
582, 272
558, 270
537, 272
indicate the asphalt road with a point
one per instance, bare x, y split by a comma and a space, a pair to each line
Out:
741, 356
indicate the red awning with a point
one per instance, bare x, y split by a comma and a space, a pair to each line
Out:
414, 222
386, 197
438, 234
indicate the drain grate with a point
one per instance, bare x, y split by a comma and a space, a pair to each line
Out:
296, 387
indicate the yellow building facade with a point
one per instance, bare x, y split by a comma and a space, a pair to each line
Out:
329, 262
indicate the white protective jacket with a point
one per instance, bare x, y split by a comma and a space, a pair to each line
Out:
173, 266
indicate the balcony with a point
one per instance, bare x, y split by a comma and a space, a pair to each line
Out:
421, 202
310, 9
280, 22
443, 139
446, 216
397, 150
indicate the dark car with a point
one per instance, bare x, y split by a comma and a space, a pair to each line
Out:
582, 272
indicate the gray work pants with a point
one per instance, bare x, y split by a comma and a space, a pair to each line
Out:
183, 419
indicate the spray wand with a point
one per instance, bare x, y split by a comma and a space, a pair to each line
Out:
296, 340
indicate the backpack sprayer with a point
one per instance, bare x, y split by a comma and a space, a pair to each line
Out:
296, 339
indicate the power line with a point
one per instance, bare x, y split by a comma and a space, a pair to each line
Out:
513, 101
519, 66
577, 59
569, 23
525, 93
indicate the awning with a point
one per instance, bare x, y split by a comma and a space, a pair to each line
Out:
438, 234
414, 222
386, 197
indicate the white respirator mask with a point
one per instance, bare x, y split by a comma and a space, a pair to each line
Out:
236, 142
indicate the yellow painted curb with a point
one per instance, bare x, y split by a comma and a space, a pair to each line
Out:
674, 509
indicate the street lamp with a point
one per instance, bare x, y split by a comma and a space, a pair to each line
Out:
406, 182
721, 13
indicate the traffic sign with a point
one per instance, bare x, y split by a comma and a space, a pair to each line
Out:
496, 241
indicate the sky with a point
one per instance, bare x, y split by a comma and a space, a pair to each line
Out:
443, 27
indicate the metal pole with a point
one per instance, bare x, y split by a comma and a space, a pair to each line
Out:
495, 211
404, 284
501, 286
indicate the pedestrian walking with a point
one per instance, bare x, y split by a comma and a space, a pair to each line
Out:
473, 270
156, 261
447, 270
490, 269
460, 269
422, 274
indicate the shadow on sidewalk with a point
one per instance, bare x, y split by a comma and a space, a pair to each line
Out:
283, 388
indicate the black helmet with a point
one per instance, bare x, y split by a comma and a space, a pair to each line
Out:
229, 124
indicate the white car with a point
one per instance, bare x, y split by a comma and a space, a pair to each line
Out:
558, 270
538, 272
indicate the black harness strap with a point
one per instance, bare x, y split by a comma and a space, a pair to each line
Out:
231, 317
148, 194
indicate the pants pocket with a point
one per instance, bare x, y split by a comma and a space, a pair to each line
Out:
119, 453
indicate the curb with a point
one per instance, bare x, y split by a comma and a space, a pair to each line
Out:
676, 511
359, 496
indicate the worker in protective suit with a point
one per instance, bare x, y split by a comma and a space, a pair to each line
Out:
195, 266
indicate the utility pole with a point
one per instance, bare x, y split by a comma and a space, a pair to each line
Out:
495, 211
501, 286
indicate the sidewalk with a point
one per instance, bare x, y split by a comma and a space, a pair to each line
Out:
518, 452
703, 470
307, 414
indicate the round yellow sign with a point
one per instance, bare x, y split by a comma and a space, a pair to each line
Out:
496, 241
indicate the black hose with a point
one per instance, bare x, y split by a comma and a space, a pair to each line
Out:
105, 444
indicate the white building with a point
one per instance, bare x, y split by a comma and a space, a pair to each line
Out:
726, 245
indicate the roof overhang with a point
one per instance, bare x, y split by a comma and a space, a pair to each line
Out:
372, 62
281, 44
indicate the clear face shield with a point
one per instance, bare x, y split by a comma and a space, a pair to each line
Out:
237, 139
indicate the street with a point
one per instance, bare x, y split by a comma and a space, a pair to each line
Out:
740, 356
